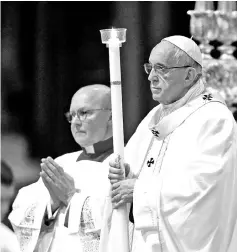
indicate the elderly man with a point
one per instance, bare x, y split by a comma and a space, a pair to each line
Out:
182, 159
62, 211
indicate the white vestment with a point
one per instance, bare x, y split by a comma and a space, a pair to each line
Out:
27, 216
185, 197
8, 240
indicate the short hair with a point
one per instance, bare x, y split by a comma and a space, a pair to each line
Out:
7, 177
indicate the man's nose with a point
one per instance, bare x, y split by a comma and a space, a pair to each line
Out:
151, 74
76, 120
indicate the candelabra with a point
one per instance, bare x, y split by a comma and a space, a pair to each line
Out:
206, 25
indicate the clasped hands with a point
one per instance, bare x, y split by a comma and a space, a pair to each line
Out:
122, 188
60, 185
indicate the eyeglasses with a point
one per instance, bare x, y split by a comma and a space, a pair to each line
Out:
158, 68
82, 114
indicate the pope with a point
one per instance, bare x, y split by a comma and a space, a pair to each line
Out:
181, 161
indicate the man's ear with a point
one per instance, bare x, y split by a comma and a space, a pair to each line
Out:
191, 74
110, 124
110, 117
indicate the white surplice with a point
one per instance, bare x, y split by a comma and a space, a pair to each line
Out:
185, 197
91, 180
8, 240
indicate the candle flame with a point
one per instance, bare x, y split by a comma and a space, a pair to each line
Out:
113, 33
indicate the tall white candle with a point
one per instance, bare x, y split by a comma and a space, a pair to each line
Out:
116, 94
118, 237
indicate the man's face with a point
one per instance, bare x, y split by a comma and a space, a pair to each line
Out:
94, 128
7, 193
167, 86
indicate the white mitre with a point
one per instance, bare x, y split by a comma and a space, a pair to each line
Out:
188, 46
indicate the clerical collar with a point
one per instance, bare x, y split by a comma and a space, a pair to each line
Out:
89, 149
98, 151
99, 147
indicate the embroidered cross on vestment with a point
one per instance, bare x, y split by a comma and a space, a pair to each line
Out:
150, 162
207, 97
155, 133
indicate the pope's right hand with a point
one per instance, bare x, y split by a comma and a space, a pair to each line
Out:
116, 173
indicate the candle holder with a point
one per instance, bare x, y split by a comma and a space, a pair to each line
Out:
226, 17
206, 25
203, 26
110, 34
226, 22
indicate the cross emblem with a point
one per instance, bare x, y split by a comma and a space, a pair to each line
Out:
207, 97
150, 162
155, 133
